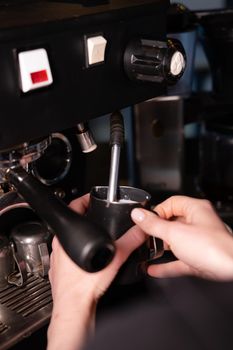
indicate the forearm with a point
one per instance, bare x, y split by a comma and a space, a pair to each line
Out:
76, 292
221, 258
70, 326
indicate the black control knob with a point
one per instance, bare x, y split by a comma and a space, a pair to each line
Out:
155, 61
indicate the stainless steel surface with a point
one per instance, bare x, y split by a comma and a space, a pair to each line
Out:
157, 248
85, 138
32, 239
114, 170
22, 155
11, 201
25, 301
7, 264
12, 211
55, 163
18, 279
24, 310
160, 143
27, 238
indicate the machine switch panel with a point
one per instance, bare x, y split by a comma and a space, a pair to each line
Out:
64, 64
35, 70
96, 49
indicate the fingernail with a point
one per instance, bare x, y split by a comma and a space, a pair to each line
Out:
138, 215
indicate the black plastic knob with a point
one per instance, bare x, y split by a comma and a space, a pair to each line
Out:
155, 61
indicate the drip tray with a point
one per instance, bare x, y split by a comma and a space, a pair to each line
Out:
24, 310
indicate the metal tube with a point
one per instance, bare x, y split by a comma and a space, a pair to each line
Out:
114, 170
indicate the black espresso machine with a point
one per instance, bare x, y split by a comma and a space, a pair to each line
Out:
64, 63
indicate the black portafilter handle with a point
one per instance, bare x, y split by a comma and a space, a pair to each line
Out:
87, 245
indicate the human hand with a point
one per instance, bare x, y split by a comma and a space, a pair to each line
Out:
64, 272
76, 292
194, 233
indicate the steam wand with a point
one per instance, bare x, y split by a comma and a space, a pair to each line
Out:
116, 141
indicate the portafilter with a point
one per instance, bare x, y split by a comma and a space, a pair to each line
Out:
82, 240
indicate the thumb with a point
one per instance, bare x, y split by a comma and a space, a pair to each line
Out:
155, 226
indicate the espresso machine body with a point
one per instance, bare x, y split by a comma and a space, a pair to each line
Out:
78, 90
64, 63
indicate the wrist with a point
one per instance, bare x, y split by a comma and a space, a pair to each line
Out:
73, 319
71, 301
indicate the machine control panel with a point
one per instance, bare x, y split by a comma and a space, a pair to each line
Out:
63, 64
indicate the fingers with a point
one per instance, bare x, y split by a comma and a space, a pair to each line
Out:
80, 204
154, 225
187, 210
171, 269
181, 206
